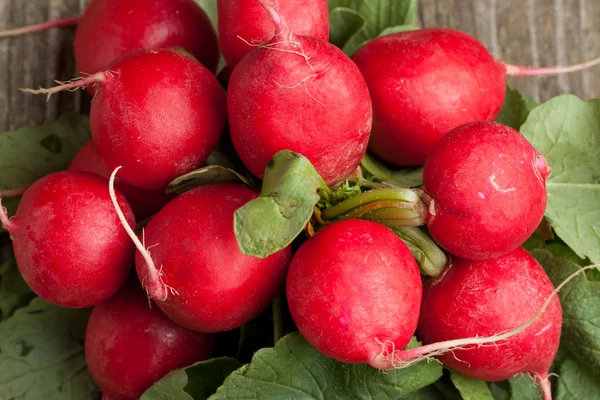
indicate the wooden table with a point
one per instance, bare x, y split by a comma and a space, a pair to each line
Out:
526, 32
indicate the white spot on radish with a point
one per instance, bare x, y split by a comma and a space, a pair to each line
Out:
544, 329
481, 195
497, 187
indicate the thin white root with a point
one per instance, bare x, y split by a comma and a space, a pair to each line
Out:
156, 288
303, 82
59, 23
404, 358
517, 70
72, 85
274, 46
4, 219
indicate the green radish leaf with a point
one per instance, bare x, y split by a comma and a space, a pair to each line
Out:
427, 393
557, 248
576, 382
32, 152
14, 292
398, 28
515, 109
403, 177
42, 356
295, 370
340, 193
567, 130
470, 388
218, 156
272, 221
447, 388
210, 8
344, 23
580, 300
429, 256
523, 387
205, 176
519, 387
197, 381
354, 22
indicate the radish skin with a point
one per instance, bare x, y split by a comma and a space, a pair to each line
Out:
158, 24
482, 298
199, 282
300, 94
354, 291
129, 345
426, 82
244, 24
157, 113
487, 189
144, 203
69, 244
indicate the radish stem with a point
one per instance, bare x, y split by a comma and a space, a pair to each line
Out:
44, 26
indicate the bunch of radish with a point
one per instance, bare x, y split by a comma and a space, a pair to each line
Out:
354, 288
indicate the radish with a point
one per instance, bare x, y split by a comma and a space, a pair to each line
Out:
203, 280
341, 281
244, 24
481, 298
425, 82
487, 189
130, 345
68, 241
144, 203
354, 289
301, 94
158, 114
109, 29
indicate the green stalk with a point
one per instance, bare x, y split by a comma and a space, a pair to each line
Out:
277, 318
400, 195
430, 258
395, 217
242, 341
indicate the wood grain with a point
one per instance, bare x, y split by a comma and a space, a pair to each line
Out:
35, 60
525, 32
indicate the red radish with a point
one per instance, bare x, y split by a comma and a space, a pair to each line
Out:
68, 241
301, 94
487, 185
354, 289
244, 24
111, 28
130, 345
204, 282
158, 114
425, 82
144, 203
481, 298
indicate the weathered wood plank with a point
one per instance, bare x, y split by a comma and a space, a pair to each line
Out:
526, 32
35, 60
